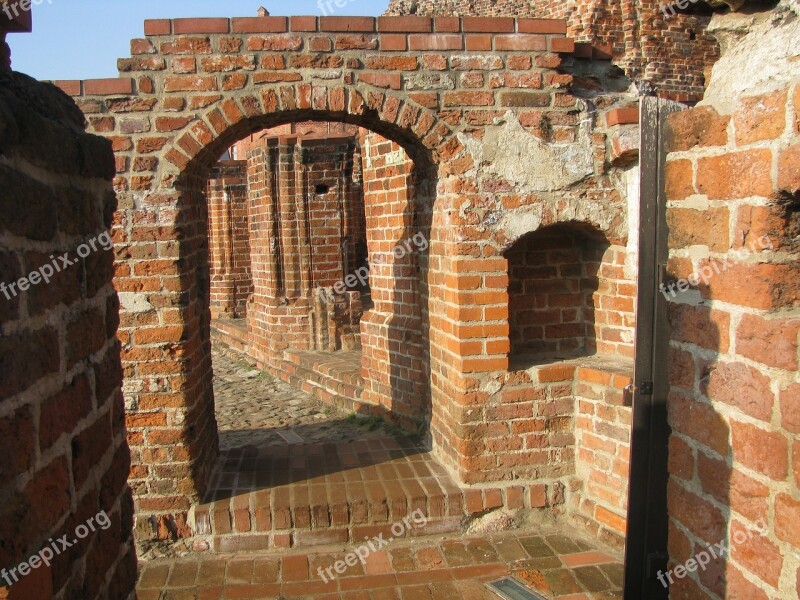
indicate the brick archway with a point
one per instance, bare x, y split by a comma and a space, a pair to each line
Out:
434, 86
187, 194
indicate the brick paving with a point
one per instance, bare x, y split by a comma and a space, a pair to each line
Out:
306, 495
303, 503
550, 563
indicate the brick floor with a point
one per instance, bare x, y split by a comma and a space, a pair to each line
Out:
555, 565
339, 480
307, 495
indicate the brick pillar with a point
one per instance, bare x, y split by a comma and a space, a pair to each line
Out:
394, 345
229, 240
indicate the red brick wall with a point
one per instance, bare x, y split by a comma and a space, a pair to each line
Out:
672, 54
307, 212
602, 438
242, 148
394, 343
450, 303
569, 295
229, 240
63, 453
733, 185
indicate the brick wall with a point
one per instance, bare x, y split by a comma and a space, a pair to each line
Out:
569, 296
733, 190
241, 149
467, 101
63, 453
394, 337
602, 438
672, 54
229, 240
307, 213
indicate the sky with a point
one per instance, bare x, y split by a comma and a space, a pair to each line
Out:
82, 39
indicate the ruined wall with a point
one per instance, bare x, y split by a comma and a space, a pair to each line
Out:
569, 296
599, 503
469, 102
671, 53
64, 459
242, 148
229, 241
307, 213
734, 190
394, 336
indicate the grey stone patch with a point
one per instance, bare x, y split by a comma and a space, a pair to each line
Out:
509, 152
430, 81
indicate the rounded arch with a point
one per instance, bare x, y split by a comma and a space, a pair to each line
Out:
608, 220
188, 159
196, 147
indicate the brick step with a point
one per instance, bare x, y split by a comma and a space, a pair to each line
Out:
320, 382
310, 495
231, 334
298, 378
325, 376
344, 367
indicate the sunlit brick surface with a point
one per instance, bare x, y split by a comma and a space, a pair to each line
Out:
552, 564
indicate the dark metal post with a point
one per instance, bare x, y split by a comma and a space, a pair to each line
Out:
646, 543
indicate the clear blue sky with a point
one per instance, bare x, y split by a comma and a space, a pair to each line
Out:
82, 39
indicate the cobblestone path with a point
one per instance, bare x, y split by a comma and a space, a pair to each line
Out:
255, 409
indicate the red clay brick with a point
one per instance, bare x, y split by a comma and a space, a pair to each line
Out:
487, 24
107, 87
202, 25
335, 24
435, 42
259, 25
409, 24
157, 27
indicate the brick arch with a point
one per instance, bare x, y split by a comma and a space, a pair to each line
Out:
191, 156
603, 220
417, 130
420, 131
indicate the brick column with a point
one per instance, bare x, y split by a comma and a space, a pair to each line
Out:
229, 240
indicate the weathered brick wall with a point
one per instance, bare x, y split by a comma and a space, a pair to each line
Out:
673, 54
241, 149
469, 102
229, 240
304, 193
394, 337
63, 453
734, 190
332, 205
602, 438
569, 295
